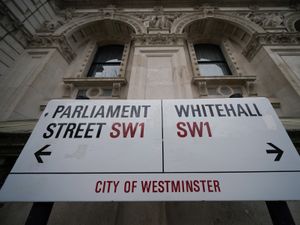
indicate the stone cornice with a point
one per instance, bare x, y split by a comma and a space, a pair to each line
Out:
270, 39
168, 3
53, 41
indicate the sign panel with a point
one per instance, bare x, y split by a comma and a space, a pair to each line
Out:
156, 150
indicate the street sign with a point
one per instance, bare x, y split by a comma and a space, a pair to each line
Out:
156, 150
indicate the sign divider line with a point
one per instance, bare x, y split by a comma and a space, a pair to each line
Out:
162, 136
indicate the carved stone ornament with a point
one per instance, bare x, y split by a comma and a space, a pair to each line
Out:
157, 21
58, 42
206, 9
157, 39
266, 19
69, 14
51, 26
258, 40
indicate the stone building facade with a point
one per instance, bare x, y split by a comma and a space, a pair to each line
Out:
47, 50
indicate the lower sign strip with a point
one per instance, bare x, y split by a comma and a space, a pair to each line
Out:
152, 187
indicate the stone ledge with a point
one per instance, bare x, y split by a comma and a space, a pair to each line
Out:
94, 81
229, 80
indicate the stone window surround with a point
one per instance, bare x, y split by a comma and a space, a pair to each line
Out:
81, 81
236, 79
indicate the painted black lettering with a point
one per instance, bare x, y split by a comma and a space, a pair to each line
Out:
229, 109
210, 109
249, 110
145, 107
78, 109
100, 112
220, 109
136, 110
78, 130
50, 129
113, 112
204, 110
58, 109
256, 109
241, 110
88, 130
92, 112
182, 110
69, 130
67, 112
84, 112
196, 110
100, 125
60, 126
125, 111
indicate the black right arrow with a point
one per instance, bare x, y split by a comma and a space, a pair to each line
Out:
40, 152
276, 150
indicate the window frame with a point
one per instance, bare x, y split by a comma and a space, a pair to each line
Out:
222, 60
79, 79
105, 63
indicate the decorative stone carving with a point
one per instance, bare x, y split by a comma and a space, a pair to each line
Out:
225, 85
67, 90
206, 9
158, 39
251, 88
225, 90
68, 14
50, 41
258, 40
50, 26
116, 90
181, 23
266, 19
202, 88
61, 19
158, 21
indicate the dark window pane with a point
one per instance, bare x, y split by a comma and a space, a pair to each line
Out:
104, 70
107, 61
214, 69
206, 52
109, 53
297, 25
211, 61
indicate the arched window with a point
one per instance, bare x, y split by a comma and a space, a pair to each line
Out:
297, 25
211, 61
107, 61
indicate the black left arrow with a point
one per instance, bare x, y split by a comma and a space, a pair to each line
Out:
275, 150
41, 152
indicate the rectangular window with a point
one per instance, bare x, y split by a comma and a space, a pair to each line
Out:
211, 61
107, 61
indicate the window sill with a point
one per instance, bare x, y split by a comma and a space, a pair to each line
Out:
228, 80
94, 81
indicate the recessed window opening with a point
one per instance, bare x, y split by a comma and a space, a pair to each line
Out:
211, 61
107, 61
297, 25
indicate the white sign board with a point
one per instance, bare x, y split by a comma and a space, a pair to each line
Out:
156, 150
